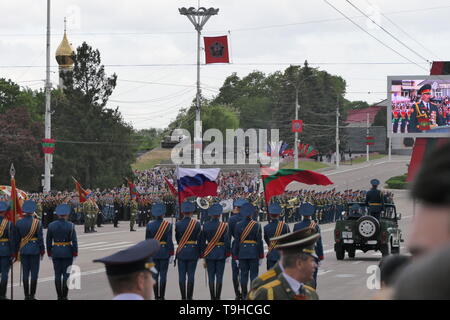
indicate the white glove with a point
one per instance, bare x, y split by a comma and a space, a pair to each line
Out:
260, 262
171, 259
237, 263
227, 260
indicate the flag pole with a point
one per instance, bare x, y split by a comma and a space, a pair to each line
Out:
12, 172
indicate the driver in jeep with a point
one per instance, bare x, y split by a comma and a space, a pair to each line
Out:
374, 200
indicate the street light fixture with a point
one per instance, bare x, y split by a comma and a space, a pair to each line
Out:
198, 17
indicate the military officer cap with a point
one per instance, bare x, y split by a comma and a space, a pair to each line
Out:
62, 209
302, 241
215, 210
426, 88
239, 202
158, 209
29, 206
3, 206
275, 208
133, 259
247, 209
374, 182
306, 209
187, 207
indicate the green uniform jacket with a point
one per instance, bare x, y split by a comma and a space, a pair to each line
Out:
279, 289
265, 278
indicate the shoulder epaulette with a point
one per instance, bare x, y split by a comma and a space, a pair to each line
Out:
267, 275
309, 288
271, 284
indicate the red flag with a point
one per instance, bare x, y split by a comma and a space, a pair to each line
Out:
16, 209
133, 190
297, 125
82, 194
171, 187
216, 49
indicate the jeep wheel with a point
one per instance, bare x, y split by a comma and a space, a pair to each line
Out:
351, 253
340, 252
368, 226
385, 250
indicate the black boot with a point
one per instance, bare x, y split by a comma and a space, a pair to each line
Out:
190, 290
26, 290
156, 290
183, 290
33, 288
58, 287
65, 291
212, 291
244, 292
3, 288
218, 290
162, 291
236, 290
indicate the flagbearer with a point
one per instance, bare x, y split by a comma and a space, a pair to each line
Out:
234, 219
274, 228
7, 256
161, 230
62, 248
30, 247
248, 246
215, 248
133, 211
187, 233
307, 210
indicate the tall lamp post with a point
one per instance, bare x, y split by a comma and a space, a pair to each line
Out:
48, 87
198, 17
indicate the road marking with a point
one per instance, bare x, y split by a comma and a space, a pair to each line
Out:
345, 276
356, 262
109, 245
320, 273
90, 244
116, 247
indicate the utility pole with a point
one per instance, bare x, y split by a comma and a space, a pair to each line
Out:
337, 132
297, 106
367, 134
198, 17
48, 125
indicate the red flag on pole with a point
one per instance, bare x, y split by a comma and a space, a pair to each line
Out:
82, 194
16, 209
171, 187
297, 125
216, 49
133, 189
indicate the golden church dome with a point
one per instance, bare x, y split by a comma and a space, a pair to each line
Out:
64, 53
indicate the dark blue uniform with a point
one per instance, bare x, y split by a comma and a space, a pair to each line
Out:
29, 253
62, 247
187, 257
248, 252
215, 260
232, 221
161, 258
375, 202
7, 247
269, 232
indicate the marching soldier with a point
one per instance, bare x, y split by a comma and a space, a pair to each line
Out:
234, 219
62, 248
133, 212
248, 247
215, 249
187, 233
161, 230
298, 262
30, 248
374, 200
116, 211
307, 210
7, 245
274, 228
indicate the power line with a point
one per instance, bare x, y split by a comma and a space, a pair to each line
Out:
382, 28
371, 35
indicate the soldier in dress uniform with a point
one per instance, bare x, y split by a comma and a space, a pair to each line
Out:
7, 246
215, 247
307, 210
117, 205
298, 262
374, 200
274, 228
426, 113
248, 247
62, 248
130, 272
133, 212
187, 234
234, 219
30, 246
161, 230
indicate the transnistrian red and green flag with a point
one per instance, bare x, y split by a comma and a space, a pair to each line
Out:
133, 189
16, 209
82, 194
275, 182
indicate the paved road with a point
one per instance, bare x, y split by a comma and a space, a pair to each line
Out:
337, 279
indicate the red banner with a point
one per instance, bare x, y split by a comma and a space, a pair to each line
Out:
216, 49
48, 146
370, 141
297, 125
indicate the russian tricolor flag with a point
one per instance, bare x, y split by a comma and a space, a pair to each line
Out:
197, 182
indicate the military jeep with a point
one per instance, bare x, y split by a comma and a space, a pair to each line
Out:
359, 230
